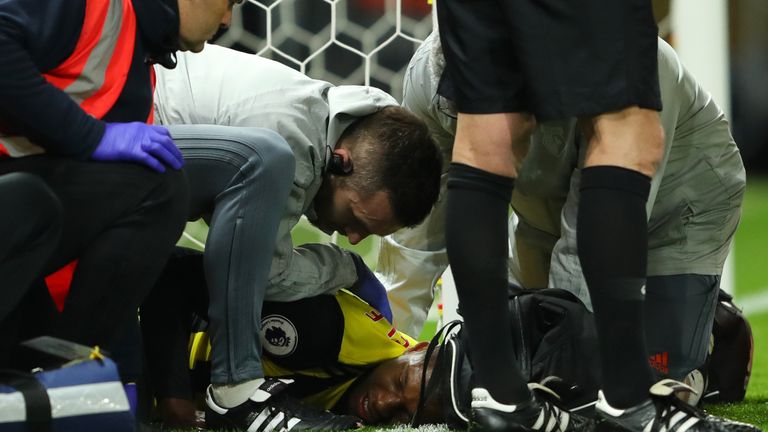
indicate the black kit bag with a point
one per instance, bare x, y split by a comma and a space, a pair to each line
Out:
85, 394
556, 337
555, 344
730, 363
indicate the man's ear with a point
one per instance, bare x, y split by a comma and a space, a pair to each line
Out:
340, 163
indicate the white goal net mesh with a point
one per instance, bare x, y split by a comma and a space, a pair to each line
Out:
365, 42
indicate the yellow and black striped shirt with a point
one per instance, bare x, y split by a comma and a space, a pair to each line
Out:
323, 343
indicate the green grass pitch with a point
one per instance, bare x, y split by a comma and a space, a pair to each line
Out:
751, 281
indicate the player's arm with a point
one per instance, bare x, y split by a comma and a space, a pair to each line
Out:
308, 270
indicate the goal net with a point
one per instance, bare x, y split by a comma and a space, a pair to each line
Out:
365, 42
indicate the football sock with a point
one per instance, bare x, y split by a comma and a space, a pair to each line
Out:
612, 237
232, 395
477, 206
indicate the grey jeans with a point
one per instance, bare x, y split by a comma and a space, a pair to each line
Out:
239, 180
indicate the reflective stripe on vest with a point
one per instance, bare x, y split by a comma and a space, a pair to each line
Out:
95, 73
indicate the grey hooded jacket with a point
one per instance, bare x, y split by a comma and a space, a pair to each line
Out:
224, 87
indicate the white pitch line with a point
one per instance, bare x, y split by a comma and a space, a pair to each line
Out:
194, 241
754, 304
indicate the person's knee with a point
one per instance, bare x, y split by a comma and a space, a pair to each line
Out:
496, 143
271, 156
171, 198
37, 205
631, 138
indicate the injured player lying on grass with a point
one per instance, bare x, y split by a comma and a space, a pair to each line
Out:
343, 355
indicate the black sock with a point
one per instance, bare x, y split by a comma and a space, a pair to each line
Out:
476, 240
612, 237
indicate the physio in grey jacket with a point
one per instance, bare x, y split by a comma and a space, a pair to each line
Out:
694, 208
264, 145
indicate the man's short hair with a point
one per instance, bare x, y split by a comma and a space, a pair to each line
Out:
393, 150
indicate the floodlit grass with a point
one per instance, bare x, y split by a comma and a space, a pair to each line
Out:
752, 239
750, 411
751, 280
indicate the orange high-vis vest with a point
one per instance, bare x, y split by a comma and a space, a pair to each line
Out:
94, 76
95, 73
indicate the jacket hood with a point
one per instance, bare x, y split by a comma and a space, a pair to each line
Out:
348, 103
158, 22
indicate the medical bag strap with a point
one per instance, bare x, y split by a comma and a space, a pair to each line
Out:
36, 402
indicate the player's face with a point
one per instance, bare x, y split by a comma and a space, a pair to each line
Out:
199, 20
345, 211
390, 393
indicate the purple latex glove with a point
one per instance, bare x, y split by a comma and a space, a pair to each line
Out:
148, 145
370, 289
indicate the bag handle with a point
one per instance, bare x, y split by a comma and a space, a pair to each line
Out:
36, 402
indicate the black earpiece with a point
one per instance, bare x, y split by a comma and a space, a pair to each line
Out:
338, 167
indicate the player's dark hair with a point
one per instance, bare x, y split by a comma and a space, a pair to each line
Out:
392, 150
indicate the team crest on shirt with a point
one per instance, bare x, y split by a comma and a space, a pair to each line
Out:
278, 335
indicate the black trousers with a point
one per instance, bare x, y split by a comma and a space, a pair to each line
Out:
167, 321
30, 225
120, 221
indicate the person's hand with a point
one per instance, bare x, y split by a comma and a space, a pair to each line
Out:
370, 289
145, 144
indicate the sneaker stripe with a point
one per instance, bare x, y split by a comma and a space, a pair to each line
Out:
259, 420
292, 422
552, 419
688, 424
552, 424
649, 427
275, 414
275, 422
676, 417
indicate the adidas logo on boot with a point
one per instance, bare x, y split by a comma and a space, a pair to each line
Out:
663, 412
271, 409
540, 413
